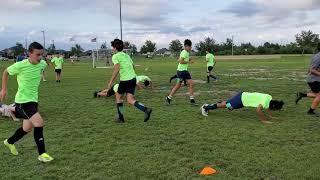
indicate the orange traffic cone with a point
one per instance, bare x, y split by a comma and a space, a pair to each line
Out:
208, 171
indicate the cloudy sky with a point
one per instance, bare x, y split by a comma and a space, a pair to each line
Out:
161, 21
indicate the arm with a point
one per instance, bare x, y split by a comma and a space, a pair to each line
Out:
261, 115
5, 77
181, 61
315, 72
115, 73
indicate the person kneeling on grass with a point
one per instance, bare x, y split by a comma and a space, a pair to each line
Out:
247, 99
8, 111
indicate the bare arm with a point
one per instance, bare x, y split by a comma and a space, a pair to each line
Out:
315, 72
5, 77
261, 115
139, 86
115, 73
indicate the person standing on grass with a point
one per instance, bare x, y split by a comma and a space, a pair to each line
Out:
28, 74
123, 65
183, 73
313, 81
210, 64
58, 62
246, 99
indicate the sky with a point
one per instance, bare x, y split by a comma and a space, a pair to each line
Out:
161, 21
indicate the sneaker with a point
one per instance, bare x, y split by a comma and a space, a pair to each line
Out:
147, 114
204, 112
168, 100
44, 157
193, 102
11, 147
313, 114
299, 97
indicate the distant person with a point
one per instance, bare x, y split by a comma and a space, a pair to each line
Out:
21, 57
58, 63
183, 73
210, 64
313, 81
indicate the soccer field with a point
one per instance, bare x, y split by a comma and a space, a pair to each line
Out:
177, 142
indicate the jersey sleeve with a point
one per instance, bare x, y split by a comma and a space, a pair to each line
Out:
14, 69
183, 55
115, 60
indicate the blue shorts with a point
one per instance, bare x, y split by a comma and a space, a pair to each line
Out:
235, 102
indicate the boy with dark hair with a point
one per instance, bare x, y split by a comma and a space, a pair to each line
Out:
28, 74
210, 63
58, 62
313, 81
123, 65
183, 73
144, 82
247, 99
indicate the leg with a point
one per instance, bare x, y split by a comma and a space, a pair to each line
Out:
175, 89
131, 100
206, 107
38, 124
120, 110
314, 104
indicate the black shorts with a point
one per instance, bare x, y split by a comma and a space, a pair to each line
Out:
314, 86
127, 86
210, 68
26, 110
58, 71
183, 76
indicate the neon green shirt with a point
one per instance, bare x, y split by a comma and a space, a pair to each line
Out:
115, 87
142, 79
210, 59
255, 99
126, 66
185, 55
28, 77
57, 62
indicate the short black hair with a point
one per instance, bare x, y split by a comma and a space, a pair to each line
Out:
117, 44
209, 50
276, 105
146, 83
187, 42
35, 45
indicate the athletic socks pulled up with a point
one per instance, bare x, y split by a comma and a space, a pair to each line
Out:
140, 106
17, 136
38, 138
210, 107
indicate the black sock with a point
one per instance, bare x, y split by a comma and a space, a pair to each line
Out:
140, 106
311, 110
303, 94
120, 110
17, 136
213, 76
211, 107
38, 138
208, 79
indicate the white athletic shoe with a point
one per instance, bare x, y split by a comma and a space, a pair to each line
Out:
204, 112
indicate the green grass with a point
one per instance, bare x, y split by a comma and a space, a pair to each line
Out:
177, 142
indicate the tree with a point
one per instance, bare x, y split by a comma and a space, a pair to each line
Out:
148, 46
76, 50
128, 45
18, 49
307, 40
208, 42
103, 45
52, 49
175, 46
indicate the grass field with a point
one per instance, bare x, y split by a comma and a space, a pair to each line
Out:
177, 142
